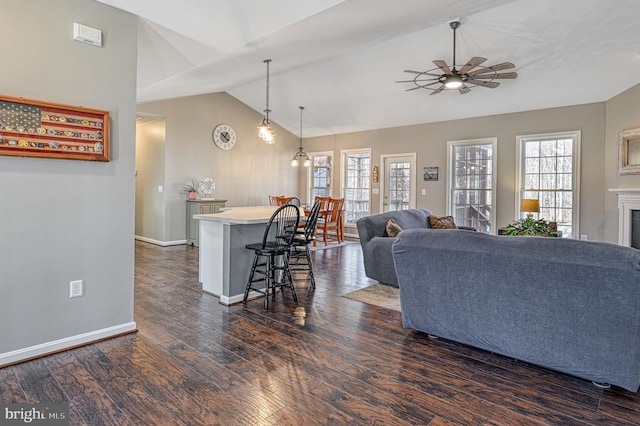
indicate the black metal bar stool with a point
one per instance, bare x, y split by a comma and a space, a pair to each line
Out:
301, 243
271, 263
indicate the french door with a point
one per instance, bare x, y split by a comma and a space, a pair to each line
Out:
398, 182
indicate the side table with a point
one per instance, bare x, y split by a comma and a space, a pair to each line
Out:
200, 206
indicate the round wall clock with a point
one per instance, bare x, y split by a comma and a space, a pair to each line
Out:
224, 136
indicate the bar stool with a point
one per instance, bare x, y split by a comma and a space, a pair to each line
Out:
301, 242
270, 263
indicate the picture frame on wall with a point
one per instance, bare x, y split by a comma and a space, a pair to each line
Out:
430, 173
30, 128
629, 152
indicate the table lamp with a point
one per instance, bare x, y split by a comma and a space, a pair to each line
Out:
529, 206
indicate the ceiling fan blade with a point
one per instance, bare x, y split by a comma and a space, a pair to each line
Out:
423, 72
443, 66
416, 80
491, 84
463, 90
471, 64
492, 76
423, 86
497, 67
438, 90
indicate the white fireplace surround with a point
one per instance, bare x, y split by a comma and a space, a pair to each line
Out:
628, 201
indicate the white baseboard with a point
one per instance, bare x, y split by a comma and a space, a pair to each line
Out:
161, 243
232, 300
66, 343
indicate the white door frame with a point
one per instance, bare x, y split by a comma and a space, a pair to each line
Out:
412, 156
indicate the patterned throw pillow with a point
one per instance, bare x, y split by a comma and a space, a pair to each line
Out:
393, 229
443, 222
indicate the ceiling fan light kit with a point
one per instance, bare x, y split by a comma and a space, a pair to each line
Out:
471, 74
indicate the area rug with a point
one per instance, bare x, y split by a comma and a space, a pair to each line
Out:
385, 296
321, 246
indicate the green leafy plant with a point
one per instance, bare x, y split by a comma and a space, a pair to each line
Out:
529, 226
191, 187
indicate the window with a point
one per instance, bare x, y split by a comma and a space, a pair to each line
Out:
356, 166
548, 169
320, 176
471, 183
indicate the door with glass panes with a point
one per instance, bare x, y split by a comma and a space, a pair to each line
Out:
399, 182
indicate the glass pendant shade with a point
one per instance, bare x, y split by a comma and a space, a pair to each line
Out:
300, 155
265, 131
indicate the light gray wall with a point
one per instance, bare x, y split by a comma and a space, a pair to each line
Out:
429, 141
623, 113
244, 175
63, 220
150, 170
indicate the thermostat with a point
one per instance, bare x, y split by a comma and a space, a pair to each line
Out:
85, 34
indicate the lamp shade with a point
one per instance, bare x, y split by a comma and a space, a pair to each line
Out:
529, 205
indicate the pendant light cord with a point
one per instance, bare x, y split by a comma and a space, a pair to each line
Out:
267, 61
301, 109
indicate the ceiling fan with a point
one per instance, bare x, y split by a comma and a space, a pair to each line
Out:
449, 77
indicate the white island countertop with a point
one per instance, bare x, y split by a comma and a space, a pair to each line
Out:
241, 215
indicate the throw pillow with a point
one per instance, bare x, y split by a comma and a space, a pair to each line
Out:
443, 222
393, 229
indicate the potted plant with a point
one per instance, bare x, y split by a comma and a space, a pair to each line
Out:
529, 226
191, 190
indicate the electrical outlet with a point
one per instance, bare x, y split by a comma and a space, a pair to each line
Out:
583, 237
76, 288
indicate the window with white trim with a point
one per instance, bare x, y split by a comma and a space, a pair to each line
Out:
356, 167
548, 170
471, 179
320, 174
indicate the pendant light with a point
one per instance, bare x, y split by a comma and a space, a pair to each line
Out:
301, 155
264, 129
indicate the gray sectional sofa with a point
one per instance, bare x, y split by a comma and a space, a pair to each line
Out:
376, 245
568, 305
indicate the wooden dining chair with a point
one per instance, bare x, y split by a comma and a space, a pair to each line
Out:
282, 200
332, 221
273, 200
324, 208
294, 201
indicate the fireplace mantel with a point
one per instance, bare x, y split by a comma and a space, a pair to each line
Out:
628, 201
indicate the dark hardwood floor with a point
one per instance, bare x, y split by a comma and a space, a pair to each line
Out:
196, 362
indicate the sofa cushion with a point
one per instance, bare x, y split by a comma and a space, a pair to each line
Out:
442, 222
393, 229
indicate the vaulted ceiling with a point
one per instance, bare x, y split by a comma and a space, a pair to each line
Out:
341, 58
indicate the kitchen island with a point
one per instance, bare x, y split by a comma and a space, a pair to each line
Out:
225, 263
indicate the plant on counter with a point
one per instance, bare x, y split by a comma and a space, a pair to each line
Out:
191, 187
191, 190
529, 226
